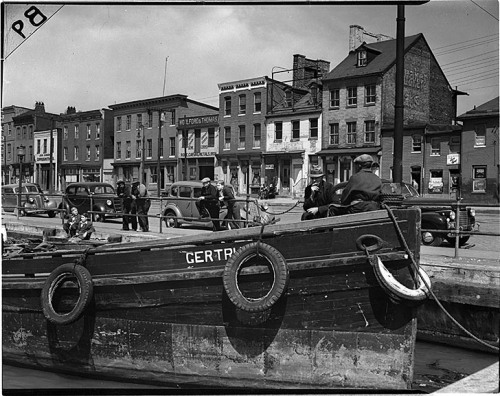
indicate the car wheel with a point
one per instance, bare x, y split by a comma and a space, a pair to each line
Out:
170, 219
461, 241
431, 238
51, 214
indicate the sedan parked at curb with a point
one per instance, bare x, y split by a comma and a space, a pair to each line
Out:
98, 198
33, 200
437, 213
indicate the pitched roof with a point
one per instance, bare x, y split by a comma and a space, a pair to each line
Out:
385, 58
487, 109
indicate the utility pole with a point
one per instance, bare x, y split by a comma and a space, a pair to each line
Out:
158, 165
51, 145
397, 166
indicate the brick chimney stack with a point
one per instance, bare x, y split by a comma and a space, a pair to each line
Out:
39, 107
305, 70
71, 110
358, 35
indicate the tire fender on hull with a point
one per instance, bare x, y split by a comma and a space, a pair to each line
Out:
236, 262
55, 280
396, 289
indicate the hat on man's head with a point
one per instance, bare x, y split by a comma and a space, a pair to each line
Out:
120, 181
363, 158
205, 180
316, 171
135, 179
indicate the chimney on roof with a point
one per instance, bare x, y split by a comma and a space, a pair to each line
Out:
71, 110
39, 107
305, 70
358, 35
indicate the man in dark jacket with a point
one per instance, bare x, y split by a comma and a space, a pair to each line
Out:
142, 202
209, 201
227, 198
318, 195
362, 192
124, 191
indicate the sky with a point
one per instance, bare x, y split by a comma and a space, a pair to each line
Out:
93, 56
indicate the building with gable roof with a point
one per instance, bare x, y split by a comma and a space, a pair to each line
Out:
358, 113
480, 168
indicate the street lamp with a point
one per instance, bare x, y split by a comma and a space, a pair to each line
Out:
140, 131
20, 154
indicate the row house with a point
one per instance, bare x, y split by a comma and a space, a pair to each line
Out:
86, 142
480, 169
147, 141
294, 128
23, 127
9, 148
358, 114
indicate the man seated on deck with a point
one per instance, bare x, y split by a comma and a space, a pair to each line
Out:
317, 196
362, 191
85, 228
71, 226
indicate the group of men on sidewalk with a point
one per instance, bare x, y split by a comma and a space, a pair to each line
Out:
136, 204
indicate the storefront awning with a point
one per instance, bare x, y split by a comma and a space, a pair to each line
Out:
353, 150
289, 152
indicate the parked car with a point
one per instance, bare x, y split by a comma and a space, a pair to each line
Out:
33, 199
180, 208
437, 213
97, 197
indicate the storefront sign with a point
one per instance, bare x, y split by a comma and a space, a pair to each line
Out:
202, 154
42, 158
453, 159
269, 166
198, 121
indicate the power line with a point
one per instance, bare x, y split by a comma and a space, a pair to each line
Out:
462, 42
466, 47
467, 69
470, 57
486, 86
490, 14
474, 63
469, 81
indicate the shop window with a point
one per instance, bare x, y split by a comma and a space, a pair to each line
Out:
335, 98
436, 182
480, 138
334, 134
416, 144
479, 179
435, 146
153, 174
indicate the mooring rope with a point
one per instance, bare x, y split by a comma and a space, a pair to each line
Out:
286, 211
400, 233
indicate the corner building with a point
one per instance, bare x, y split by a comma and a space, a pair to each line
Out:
358, 112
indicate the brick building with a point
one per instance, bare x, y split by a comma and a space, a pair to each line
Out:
85, 142
146, 133
9, 148
480, 152
358, 112
294, 128
24, 126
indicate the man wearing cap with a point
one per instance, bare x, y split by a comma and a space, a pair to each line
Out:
362, 191
142, 202
209, 201
318, 195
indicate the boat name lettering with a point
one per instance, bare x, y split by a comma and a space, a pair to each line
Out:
209, 256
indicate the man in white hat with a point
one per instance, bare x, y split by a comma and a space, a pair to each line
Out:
362, 192
318, 195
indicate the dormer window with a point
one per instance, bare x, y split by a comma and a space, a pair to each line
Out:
288, 98
361, 58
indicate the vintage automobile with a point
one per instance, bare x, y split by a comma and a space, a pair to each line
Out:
437, 213
180, 208
33, 199
98, 198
